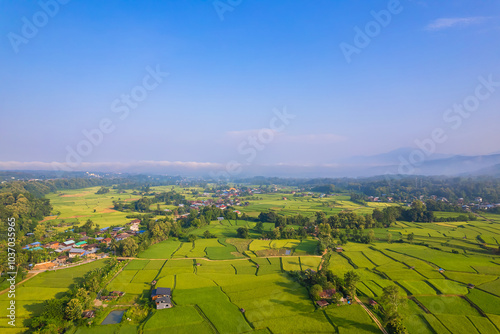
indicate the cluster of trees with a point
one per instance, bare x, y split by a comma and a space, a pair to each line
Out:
325, 189
408, 188
144, 203
433, 205
346, 219
359, 198
141, 205
49, 182
62, 313
344, 225
280, 220
324, 279
418, 212
393, 306
202, 217
102, 191
401, 188
157, 230
25, 208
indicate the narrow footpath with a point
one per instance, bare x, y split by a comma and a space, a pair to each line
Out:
371, 315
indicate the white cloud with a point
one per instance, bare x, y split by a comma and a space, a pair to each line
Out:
108, 166
325, 138
445, 23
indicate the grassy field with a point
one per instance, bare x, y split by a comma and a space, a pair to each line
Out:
82, 204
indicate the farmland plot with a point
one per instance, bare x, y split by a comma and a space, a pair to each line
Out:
486, 302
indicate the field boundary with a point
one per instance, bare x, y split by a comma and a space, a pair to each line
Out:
210, 323
331, 322
374, 318
20, 282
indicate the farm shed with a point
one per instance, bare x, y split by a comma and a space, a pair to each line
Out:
326, 294
88, 314
322, 303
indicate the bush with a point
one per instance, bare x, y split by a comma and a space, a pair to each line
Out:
315, 292
137, 313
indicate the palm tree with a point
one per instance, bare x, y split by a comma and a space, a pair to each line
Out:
113, 246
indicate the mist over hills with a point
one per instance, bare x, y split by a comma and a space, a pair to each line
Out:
397, 162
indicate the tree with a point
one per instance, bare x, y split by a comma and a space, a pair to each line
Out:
102, 190
39, 231
391, 299
410, 237
93, 283
83, 296
324, 229
74, 310
276, 233
337, 297
343, 238
88, 226
242, 232
389, 238
128, 247
289, 233
418, 205
378, 215
192, 238
113, 246
316, 291
351, 278
320, 217
393, 303
54, 309
370, 236
208, 235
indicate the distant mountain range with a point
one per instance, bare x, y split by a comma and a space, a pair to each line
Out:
489, 171
399, 162
389, 158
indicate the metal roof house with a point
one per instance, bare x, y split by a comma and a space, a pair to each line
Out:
161, 292
162, 298
73, 252
163, 303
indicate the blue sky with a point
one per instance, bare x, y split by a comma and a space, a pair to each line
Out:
226, 76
